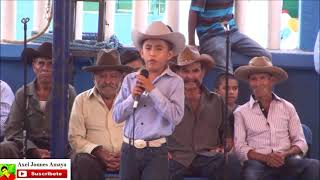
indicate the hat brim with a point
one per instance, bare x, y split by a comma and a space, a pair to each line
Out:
176, 38
29, 54
108, 67
207, 61
242, 73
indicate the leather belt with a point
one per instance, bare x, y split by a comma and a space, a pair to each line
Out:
140, 143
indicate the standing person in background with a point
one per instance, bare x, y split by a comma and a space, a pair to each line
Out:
93, 135
208, 17
6, 100
233, 89
160, 108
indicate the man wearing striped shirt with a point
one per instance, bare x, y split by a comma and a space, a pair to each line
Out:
268, 133
207, 18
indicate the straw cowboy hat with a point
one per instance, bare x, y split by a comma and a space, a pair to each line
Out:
260, 65
44, 50
107, 59
158, 30
190, 54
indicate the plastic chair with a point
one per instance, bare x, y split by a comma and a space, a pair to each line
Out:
308, 135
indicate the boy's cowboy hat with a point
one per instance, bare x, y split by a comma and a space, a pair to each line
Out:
260, 65
107, 59
44, 50
190, 54
158, 30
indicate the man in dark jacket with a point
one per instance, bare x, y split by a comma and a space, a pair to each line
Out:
38, 110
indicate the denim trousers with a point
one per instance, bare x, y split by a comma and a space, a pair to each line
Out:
215, 46
211, 167
150, 163
300, 168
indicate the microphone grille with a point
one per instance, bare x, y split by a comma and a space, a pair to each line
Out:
144, 73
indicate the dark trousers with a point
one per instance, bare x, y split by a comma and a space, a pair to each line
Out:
304, 169
204, 166
85, 166
144, 164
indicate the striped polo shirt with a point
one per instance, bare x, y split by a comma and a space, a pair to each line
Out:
211, 13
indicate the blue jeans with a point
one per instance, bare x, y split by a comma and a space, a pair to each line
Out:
215, 46
211, 167
144, 164
305, 169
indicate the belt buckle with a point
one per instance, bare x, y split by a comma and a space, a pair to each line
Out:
140, 144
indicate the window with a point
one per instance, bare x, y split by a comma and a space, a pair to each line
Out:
124, 6
157, 7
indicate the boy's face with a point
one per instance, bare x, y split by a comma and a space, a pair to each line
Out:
156, 54
233, 90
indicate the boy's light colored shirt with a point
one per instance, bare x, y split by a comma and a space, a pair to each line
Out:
157, 113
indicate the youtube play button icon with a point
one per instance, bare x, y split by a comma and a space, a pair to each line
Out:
42, 173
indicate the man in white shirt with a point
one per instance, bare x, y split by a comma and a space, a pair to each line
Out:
268, 132
6, 100
93, 135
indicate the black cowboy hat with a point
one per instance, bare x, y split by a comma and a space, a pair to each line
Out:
44, 50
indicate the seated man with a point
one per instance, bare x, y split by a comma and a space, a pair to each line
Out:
131, 57
268, 133
6, 99
233, 89
196, 145
93, 134
38, 109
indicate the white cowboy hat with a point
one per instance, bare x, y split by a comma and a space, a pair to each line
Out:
158, 30
260, 65
190, 54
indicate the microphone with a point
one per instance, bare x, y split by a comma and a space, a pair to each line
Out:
144, 73
225, 26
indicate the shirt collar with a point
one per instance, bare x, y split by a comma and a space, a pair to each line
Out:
253, 101
167, 71
93, 92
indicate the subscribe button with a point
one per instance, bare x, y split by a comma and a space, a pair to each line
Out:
42, 173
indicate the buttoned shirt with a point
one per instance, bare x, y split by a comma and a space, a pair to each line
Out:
158, 111
199, 131
276, 133
6, 100
39, 130
91, 124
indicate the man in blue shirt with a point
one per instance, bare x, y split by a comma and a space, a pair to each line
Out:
208, 17
160, 107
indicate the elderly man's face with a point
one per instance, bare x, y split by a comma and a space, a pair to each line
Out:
108, 82
42, 67
192, 75
261, 84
